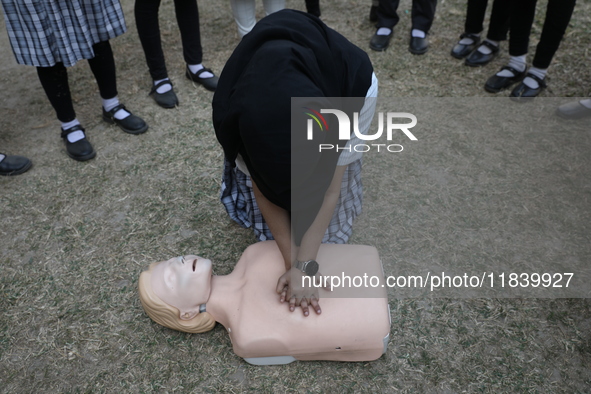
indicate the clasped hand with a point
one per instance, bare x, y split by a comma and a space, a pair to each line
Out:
290, 287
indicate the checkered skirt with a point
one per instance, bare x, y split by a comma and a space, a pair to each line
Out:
45, 32
238, 198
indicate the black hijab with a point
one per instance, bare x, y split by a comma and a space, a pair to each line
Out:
287, 54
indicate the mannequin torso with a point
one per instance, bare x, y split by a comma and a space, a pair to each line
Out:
352, 326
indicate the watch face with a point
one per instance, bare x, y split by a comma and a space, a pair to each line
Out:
311, 268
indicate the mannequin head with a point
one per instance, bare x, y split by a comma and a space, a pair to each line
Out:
172, 291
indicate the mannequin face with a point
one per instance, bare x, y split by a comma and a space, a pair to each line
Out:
184, 283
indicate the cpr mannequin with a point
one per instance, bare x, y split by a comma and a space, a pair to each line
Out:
182, 294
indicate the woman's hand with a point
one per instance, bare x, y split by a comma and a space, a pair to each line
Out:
290, 288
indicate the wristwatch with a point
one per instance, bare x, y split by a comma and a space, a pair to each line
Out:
310, 267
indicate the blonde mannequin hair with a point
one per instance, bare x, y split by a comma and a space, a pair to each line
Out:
167, 315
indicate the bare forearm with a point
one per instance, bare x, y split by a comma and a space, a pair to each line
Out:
312, 239
279, 223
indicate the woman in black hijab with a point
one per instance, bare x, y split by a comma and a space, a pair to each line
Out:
275, 180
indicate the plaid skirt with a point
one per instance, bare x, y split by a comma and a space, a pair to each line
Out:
45, 32
238, 199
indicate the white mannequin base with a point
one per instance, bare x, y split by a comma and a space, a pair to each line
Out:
282, 360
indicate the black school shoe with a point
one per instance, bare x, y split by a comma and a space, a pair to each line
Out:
418, 45
14, 165
460, 51
522, 92
80, 150
210, 83
380, 42
132, 124
573, 110
478, 59
166, 99
496, 83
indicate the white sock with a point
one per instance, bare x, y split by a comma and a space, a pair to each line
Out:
196, 67
2, 157
538, 72
516, 62
468, 40
165, 87
418, 33
76, 135
384, 31
486, 50
70, 124
109, 104
586, 103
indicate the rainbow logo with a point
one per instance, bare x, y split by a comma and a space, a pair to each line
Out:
317, 117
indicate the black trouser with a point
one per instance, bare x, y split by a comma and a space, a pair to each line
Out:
558, 14
55, 81
146, 19
313, 7
499, 18
423, 12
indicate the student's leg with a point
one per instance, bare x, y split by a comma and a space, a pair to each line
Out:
54, 81
102, 66
558, 14
244, 15
148, 28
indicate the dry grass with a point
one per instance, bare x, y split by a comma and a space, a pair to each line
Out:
75, 236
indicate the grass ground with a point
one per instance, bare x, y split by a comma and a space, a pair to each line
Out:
75, 236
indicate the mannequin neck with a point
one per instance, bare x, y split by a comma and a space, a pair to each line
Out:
222, 297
